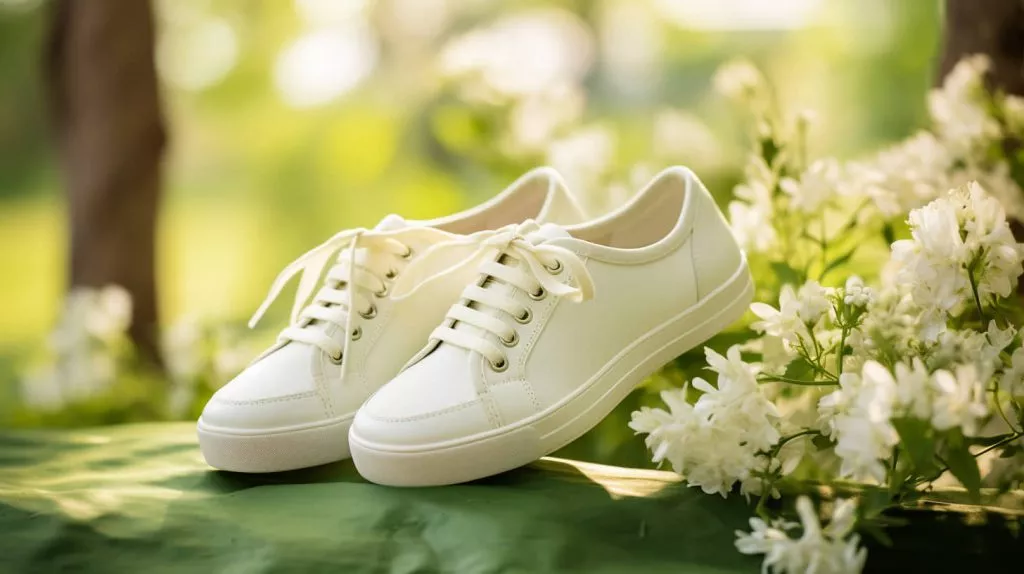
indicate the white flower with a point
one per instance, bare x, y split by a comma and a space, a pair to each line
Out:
519, 55
966, 346
719, 440
814, 301
102, 314
1013, 378
864, 431
730, 366
960, 400
837, 402
913, 394
752, 227
832, 550
955, 238
797, 310
782, 322
83, 349
816, 186
740, 80
959, 109
989, 237
583, 156
905, 176
536, 118
856, 294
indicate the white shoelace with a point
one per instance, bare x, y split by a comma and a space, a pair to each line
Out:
350, 284
537, 274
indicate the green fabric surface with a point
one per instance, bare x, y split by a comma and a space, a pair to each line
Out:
140, 498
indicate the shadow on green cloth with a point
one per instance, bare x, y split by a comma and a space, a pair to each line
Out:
139, 498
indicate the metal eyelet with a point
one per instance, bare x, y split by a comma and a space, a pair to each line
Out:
408, 252
523, 317
336, 360
511, 341
539, 294
500, 366
382, 293
391, 274
369, 313
554, 269
357, 333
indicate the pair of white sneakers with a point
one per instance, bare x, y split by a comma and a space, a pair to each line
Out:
442, 351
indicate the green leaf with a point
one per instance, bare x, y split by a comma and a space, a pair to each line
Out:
963, 465
989, 440
898, 478
799, 369
918, 442
786, 274
1009, 451
876, 531
889, 234
873, 502
822, 442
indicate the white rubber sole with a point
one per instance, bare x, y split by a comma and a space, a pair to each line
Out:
496, 451
277, 450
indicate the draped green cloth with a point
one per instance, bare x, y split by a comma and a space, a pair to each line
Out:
140, 499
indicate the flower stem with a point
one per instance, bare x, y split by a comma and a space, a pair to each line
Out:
999, 407
840, 351
977, 297
778, 379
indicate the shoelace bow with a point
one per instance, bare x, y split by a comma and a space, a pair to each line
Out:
538, 272
349, 284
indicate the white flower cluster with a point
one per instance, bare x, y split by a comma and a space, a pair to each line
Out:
82, 349
719, 440
966, 127
858, 416
928, 360
962, 249
829, 550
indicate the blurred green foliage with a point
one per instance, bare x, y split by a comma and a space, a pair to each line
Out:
276, 144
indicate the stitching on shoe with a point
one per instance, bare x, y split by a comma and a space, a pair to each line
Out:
319, 380
424, 416
485, 398
527, 387
286, 398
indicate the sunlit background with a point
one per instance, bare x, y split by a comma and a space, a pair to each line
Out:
292, 120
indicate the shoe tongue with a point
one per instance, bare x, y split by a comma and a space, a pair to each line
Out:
538, 235
391, 222
546, 232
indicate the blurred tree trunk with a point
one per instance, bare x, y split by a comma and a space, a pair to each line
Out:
106, 108
992, 27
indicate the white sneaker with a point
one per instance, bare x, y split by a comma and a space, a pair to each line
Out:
561, 324
293, 406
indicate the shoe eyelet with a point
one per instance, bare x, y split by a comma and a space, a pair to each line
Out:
391, 274
336, 359
369, 313
357, 333
524, 317
408, 252
511, 341
539, 294
554, 269
382, 293
499, 367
